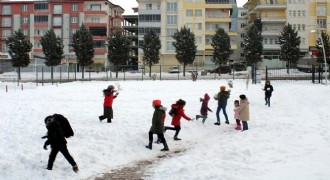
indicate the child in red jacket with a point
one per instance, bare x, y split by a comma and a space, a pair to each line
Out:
107, 105
179, 112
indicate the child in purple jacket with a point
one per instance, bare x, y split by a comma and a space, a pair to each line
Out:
204, 107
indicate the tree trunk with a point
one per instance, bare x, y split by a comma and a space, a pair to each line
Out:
19, 73
184, 69
52, 73
287, 66
82, 72
149, 71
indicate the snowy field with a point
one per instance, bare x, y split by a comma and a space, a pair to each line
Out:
289, 140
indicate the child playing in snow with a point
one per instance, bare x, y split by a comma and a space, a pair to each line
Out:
176, 118
236, 116
157, 126
243, 111
204, 107
107, 105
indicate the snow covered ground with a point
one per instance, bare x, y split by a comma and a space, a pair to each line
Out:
289, 140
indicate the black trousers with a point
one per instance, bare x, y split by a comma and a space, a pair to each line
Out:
267, 99
238, 122
159, 135
175, 128
64, 151
245, 125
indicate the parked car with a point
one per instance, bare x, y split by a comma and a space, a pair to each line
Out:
174, 69
239, 67
222, 70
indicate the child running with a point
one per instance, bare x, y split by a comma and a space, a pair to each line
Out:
107, 105
204, 108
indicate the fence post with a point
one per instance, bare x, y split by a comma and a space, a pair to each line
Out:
313, 73
68, 75
266, 73
60, 74
160, 72
320, 69
37, 76
75, 74
42, 76
89, 74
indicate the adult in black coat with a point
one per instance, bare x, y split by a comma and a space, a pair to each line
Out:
57, 142
268, 92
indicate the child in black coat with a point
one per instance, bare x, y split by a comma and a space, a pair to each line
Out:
57, 142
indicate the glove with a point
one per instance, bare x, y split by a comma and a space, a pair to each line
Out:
192, 119
117, 93
45, 146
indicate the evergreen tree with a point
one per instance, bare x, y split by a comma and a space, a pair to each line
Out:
289, 42
222, 47
83, 46
253, 47
151, 47
19, 48
326, 41
185, 47
52, 48
118, 49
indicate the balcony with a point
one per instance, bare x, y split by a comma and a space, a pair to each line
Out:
273, 19
220, 1
95, 12
217, 19
270, 6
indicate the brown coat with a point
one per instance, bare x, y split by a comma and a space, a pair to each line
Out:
243, 110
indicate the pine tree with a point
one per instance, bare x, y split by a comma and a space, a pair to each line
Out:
289, 42
19, 48
185, 47
222, 47
83, 46
151, 47
52, 48
253, 48
118, 49
326, 41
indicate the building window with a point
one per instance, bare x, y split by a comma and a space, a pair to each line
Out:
189, 25
25, 32
170, 31
169, 46
299, 13
6, 22
290, 13
40, 32
189, 13
198, 13
198, 39
25, 20
158, 6
95, 20
303, 27
57, 21
148, 6
208, 40
198, 26
74, 7
58, 32
96, 7
294, 13
172, 6
6, 9
37, 45
74, 19
322, 23
99, 44
321, 11
41, 7
40, 19
6, 33
172, 19
265, 41
25, 7
57, 9
149, 18
299, 26
303, 13
294, 26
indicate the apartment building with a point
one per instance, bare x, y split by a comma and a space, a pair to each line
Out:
241, 26
131, 29
34, 18
203, 17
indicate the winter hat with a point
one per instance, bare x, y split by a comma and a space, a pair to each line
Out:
242, 97
181, 102
49, 120
206, 97
222, 88
156, 102
110, 87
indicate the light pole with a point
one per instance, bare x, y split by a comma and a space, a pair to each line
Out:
324, 57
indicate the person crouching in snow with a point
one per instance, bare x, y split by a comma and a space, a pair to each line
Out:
204, 107
236, 116
179, 112
107, 104
56, 140
243, 111
157, 126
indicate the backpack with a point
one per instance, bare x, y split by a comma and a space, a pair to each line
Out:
172, 112
65, 125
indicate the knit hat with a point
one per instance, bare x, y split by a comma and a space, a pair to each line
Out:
222, 88
156, 102
181, 102
242, 97
110, 87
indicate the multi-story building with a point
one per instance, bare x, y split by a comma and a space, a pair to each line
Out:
202, 17
34, 18
241, 24
131, 29
272, 15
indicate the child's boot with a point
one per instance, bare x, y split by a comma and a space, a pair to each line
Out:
75, 168
109, 120
238, 127
149, 146
176, 138
165, 147
197, 116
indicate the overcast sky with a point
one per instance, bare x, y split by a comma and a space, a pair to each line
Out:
128, 4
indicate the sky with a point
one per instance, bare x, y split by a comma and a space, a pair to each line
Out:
128, 4
288, 140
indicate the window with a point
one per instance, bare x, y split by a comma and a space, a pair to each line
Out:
171, 6
57, 21
37, 44
6, 9
198, 13
148, 6
74, 7
189, 25
25, 32
41, 7
149, 18
57, 9
189, 13
265, 41
290, 13
294, 26
58, 32
170, 31
25, 20
40, 32
208, 40
294, 14
299, 26
322, 23
303, 13
6, 33
158, 6
303, 27
96, 7
95, 20
169, 46
25, 7
198, 39
171, 19
198, 26
6, 22
299, 13
74, 19
40, 19
99, 44
321, 11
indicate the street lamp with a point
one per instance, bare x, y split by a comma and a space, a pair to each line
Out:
325, 58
